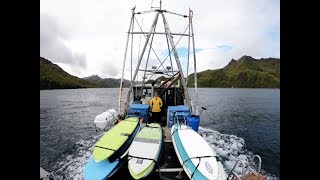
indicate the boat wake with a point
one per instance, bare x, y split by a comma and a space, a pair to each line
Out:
229, 147
71, 166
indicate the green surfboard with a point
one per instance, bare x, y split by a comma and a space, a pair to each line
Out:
145, 146
113, 139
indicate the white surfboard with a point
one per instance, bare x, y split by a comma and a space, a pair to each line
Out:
144, 149
188, 144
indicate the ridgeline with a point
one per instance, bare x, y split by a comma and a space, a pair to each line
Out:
246, 72
107, 82
54, 77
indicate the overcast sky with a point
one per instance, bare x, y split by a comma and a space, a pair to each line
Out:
87, 37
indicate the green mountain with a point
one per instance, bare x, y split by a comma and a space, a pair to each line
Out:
107, 82
54, 77
246, 72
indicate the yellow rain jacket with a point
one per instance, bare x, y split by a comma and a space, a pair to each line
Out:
156, 104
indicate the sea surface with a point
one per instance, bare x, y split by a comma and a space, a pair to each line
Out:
238, 124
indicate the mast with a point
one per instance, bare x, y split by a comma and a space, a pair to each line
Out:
195, 64
170, 43
124, 61
144, 74
140, 59
167, 29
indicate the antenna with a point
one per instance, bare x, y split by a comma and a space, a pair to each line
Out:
156, 7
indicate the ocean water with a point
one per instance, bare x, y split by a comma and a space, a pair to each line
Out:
238, 124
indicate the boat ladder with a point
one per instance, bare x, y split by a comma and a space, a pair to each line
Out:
248, 173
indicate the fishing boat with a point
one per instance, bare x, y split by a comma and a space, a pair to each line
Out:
180, 152
172, 87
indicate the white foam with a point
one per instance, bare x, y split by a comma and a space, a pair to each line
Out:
71, 166
231, 149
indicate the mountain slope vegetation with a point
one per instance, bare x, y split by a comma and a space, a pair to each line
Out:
246, 72
54, 77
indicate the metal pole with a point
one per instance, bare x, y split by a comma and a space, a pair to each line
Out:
195, 64
188, 50
132, 47
167, 29
124, 61
144, 74
169, 170
163, 33
175, 93
169, 54
141, 56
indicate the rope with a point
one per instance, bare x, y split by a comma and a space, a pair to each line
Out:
131, 121
125, 134
174, 132
111, 158
106, 148
155, 162
111, 114
170, 51
151, 126
175, 13
130, 157
156, 53
199, 157
151, 47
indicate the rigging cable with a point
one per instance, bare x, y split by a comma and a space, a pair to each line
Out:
170, 51
151, 47
150, 44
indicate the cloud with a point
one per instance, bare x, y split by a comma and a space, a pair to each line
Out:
90, 36
53, 46
109, 70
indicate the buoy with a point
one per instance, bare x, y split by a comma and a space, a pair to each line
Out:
107, 118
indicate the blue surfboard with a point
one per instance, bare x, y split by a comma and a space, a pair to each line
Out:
100, 170
105, 169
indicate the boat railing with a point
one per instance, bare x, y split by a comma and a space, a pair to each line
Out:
176, 118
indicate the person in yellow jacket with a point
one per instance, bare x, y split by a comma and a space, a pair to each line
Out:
156, 104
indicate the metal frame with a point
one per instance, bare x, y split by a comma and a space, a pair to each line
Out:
171, 48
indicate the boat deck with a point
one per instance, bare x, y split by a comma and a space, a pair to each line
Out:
169, 165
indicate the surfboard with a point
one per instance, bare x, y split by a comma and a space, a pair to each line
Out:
196, 157
100, 170
110, 146
144, 151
